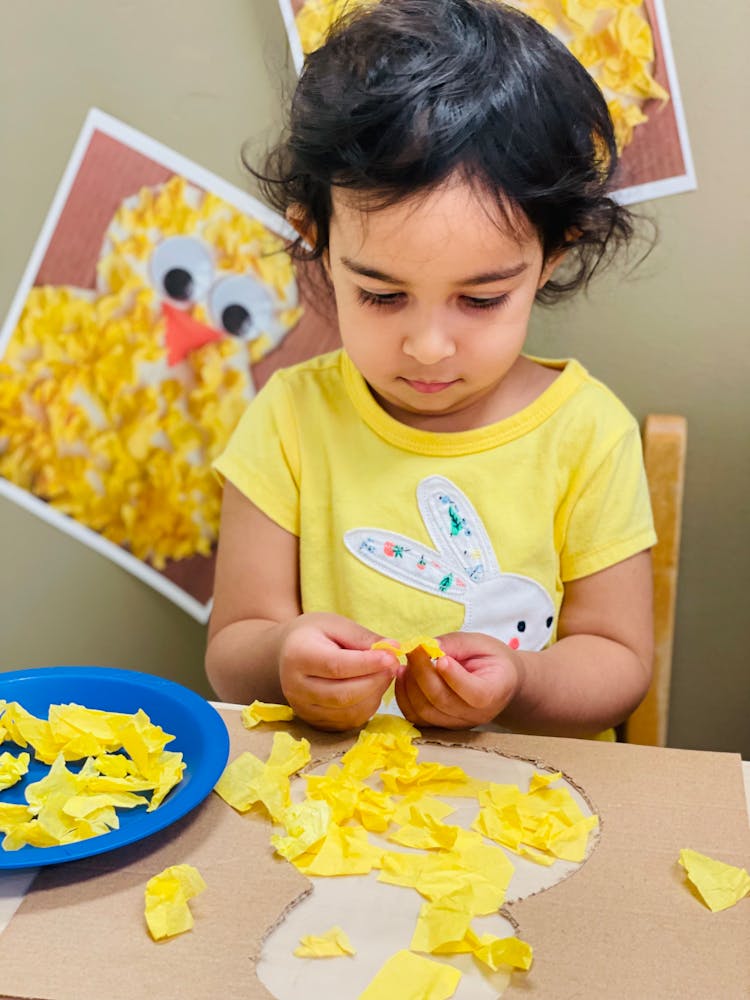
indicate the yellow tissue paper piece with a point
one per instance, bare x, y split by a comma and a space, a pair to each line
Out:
263, 711
13, 815
345, 850
496, 952
167, 912
541, 825
332, 944
66, 807
247, 780
443, 922
306, 825
412, 977
425, 832
401, 649
719, 885
427, 804
429, 777
12, 768
483, 897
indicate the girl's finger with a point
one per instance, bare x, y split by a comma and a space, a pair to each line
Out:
346, 664
403, 701
327, 693
450, 716
434, 688
471, 688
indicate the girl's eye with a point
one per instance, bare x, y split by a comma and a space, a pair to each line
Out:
493, 303
379, 299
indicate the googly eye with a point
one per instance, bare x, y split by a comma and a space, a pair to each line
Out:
182, 269
242, 306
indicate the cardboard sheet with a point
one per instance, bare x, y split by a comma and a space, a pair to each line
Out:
624, 925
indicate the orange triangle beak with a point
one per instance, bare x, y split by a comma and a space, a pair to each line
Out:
184, 334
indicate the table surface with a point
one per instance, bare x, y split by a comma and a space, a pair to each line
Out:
15, 884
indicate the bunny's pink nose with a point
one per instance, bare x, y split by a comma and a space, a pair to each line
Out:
514, 643
185, 334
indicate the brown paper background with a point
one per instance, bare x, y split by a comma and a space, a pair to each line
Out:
109, 172
624, 926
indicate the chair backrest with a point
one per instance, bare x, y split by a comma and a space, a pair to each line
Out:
664, 446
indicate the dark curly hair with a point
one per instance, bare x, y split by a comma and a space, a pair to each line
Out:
406, 93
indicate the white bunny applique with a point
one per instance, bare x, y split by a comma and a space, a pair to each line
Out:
513, 608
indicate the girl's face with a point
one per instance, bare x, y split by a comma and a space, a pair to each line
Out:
433, 298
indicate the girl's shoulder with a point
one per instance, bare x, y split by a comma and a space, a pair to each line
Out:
580, 395
319, 367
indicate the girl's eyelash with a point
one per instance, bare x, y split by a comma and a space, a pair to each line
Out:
378, 299
385, 299
494, 303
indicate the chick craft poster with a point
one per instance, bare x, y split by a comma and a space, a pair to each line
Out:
157, 300
625, 46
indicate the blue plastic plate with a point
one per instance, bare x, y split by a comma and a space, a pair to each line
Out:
199, 731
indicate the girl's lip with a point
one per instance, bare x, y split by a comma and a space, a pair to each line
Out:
428, 387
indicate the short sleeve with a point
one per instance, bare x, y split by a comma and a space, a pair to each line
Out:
262, 456
611, 519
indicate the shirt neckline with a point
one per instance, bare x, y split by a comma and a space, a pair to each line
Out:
449, 443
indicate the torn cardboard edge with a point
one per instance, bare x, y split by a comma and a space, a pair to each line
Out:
652, 802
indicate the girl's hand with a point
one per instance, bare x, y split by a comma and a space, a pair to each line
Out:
476, 679
329, 674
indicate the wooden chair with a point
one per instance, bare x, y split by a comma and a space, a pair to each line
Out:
664, 445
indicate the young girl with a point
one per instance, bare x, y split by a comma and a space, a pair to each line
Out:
447, 162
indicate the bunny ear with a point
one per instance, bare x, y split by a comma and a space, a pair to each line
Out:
456, 528
410, 562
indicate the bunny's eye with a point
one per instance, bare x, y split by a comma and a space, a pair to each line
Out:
521, 626
549, 621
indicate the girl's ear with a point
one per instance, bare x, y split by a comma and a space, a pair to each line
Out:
297, 217
550, 266
552, 263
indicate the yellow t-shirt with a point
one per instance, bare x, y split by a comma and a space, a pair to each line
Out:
413, 532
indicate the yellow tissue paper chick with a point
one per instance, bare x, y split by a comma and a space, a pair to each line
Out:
719, 885
167, 894
115, 401
332, 944
611, 38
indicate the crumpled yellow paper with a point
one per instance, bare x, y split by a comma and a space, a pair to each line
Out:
332, 944
263, 711
401, 649
167, 911
718, 884
411, 977
247, 780
459, 875
65, 806
12, 768
542, 824
306, 825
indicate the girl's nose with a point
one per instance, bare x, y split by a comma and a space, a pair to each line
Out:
429, 345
